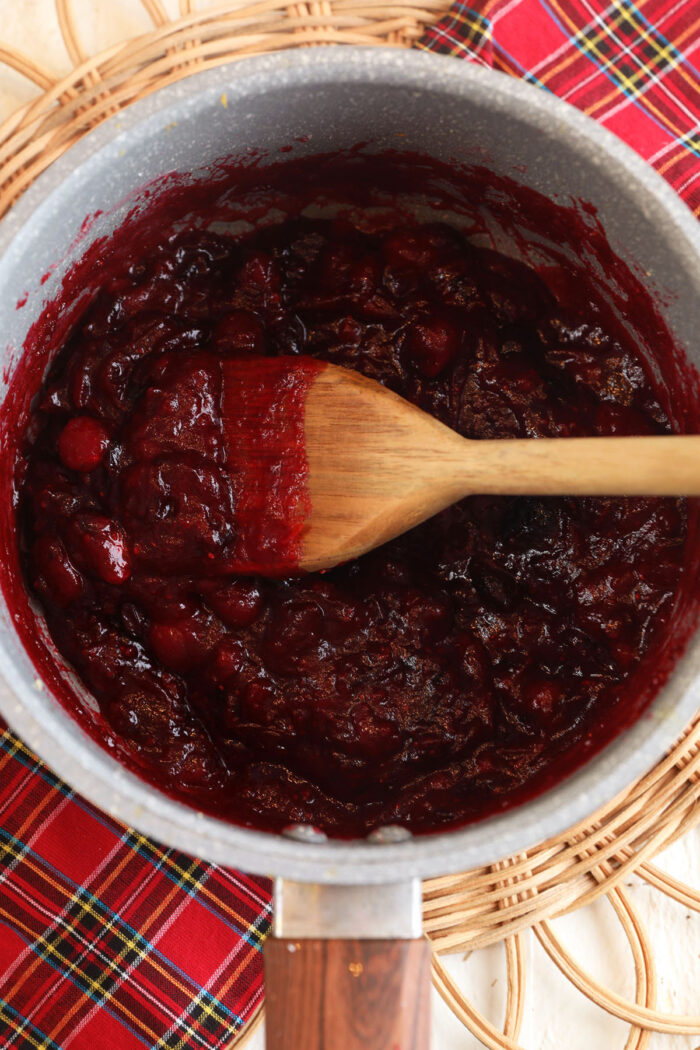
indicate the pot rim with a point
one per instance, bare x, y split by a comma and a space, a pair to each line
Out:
57, 737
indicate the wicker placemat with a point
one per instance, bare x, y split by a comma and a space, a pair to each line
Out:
490, 904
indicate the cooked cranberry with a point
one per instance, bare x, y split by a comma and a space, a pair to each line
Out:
146, 711
134, 620
543, 697
620, 419
60, 576
175, 646
182, 645
428, 617
495, 586
195, 765
431, 344
238, 602
372, 734
59, 498
180, 513
228, 659
474, 661
258, 701
295, 637
83, 443
102, 546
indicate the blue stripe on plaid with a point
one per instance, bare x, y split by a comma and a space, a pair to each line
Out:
33, 769
479, 27
164, 860
203, 1000
202, 1006
599, 35
87, 987
14, 747
143, 847
469, 16
525, 73
618, 84
20, 1025
82, 985
680, 58
79, 893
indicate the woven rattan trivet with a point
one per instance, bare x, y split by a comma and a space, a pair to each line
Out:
491, 904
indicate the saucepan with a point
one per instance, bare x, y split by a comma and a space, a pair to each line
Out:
346, 966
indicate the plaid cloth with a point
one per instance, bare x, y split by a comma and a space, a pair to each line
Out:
634, 67
108, 940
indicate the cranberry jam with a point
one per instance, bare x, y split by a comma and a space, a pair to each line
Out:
455, 671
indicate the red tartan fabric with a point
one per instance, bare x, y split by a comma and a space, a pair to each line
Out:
634, 67
108, 940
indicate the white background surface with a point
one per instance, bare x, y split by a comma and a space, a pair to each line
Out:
556, 1016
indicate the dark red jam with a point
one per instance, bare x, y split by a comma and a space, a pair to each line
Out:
455, 671
263, 404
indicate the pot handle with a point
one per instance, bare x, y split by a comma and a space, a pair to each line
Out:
347, 969
347, 995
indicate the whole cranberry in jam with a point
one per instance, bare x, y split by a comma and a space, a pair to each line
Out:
432, 343
101, 546
83, 443
455, 671
56, 574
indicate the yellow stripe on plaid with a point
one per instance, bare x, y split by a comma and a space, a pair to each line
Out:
165, 858
47, 948
664, 54
677, 45
689, 138
138, 942
156, 854
574, 52
189, 1029
231, 978
476, 30
20, 1026
10, 746
589, 41
127, 948
50, 952
94, 989
153, 916
28, 971
28, 860
671, 126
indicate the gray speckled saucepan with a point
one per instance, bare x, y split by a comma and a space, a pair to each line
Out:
333, 98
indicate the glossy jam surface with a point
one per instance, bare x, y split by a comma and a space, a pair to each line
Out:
455, 671
263, 404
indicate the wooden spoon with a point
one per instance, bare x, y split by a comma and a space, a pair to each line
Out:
377, 466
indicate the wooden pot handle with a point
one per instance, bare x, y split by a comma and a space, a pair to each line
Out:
347, 994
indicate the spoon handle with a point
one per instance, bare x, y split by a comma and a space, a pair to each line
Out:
667, 465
